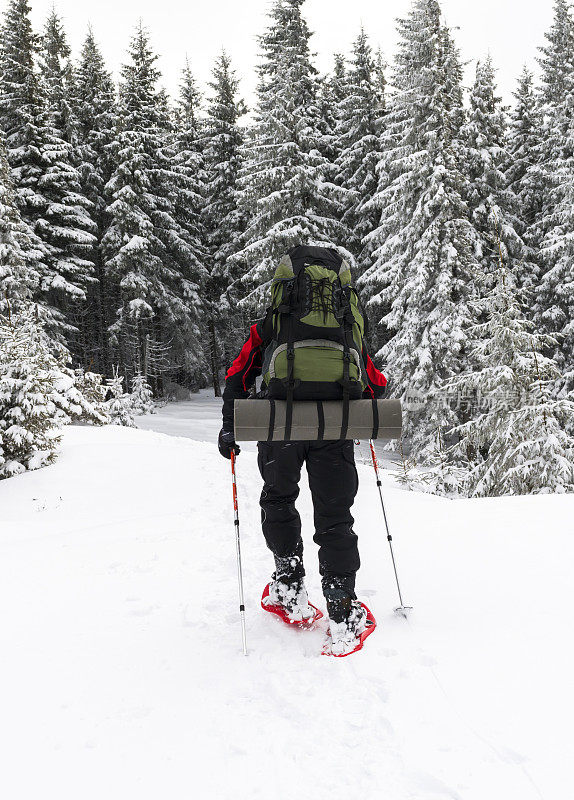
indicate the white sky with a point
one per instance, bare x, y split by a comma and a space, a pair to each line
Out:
511, 30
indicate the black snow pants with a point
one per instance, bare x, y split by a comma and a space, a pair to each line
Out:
333, 482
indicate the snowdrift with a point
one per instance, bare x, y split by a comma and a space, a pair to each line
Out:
122, 674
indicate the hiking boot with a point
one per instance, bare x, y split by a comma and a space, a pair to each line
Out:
292, 596
338, 604
346, 632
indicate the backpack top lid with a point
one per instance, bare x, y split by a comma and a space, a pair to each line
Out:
302, 255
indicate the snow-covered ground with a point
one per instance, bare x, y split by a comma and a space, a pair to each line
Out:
121, 673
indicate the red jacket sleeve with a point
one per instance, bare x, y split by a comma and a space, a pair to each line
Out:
377, 381
242, 373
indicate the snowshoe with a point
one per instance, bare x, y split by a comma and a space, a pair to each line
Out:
348, 636
290, 603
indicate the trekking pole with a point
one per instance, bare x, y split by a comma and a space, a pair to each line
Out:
238, 548
402, 609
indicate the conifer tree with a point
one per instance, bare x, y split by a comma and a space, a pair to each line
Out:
224, 221
91, 403
555, 298
284, 184
18, 277
21, 120
554, 307
119, 406
57, 74
332, 90
188, 189
516, 441
492, 205
45, 180
556, 61
146, 249
523, 176
189, 160
556, 108
141, 396
424, 247
28, 418
94, 108
67, 225
359, 133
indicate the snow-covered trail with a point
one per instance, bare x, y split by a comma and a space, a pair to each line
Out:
122, 675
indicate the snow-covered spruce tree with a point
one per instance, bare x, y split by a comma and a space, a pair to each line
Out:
28, 418
141, 397
332, 89
553, 309
223, 221
94, 108
72, 394
189, 156
516, 441
361, 118
22, 122
492, 205
555, 107
424, 248
18, 278
119, 406
555, 297
67, 225
283, 184
188, 164
523, 176
91, 388
146, 249
57, 74
45, 180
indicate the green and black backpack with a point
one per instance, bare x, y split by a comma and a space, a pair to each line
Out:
315, 328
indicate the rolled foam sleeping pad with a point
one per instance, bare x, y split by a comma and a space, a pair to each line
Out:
264, 420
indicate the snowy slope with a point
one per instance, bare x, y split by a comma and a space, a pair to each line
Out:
122, 676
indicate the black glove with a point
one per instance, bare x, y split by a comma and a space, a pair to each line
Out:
226, 443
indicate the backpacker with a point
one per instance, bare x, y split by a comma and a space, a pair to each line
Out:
315, 329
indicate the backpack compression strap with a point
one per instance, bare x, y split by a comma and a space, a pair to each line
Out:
290, 382
290, 372
347, 323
